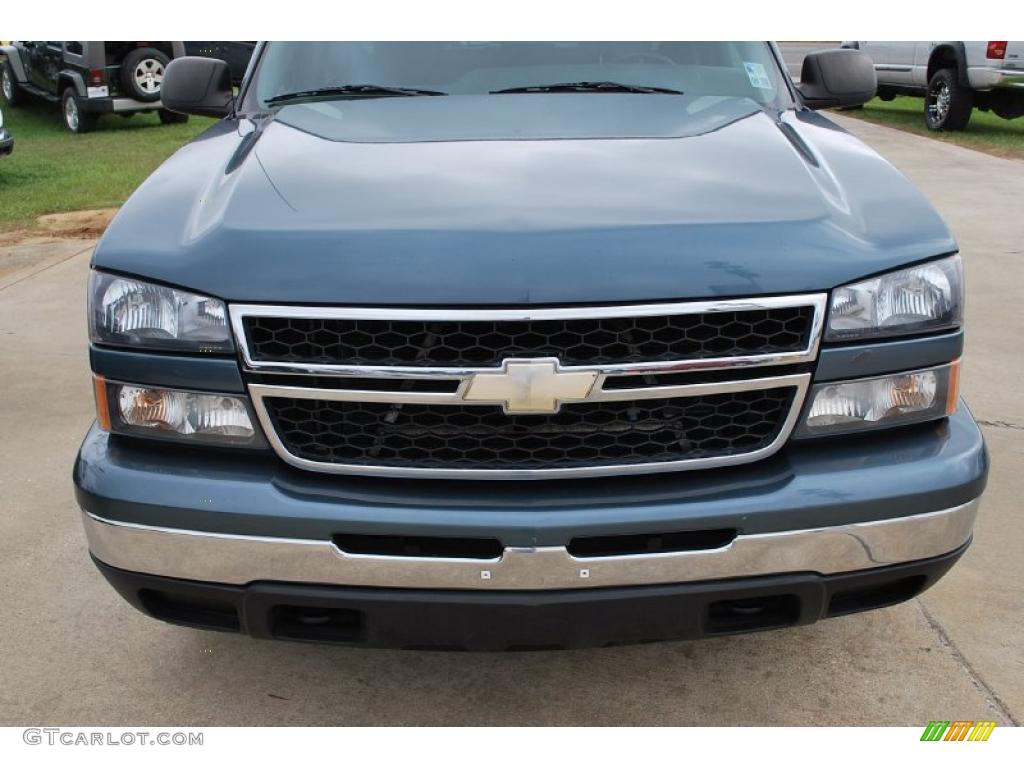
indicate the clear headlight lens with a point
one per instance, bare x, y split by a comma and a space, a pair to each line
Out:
918, 299
168, 413
130, 312
884, 401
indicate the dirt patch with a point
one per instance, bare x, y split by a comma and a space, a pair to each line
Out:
83, 225
54, 227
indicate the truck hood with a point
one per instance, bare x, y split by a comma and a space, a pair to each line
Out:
413, 201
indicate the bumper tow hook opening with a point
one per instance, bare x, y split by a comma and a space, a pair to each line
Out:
324, 625
753, 613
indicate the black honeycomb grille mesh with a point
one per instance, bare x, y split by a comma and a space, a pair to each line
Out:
589, 341
483, 437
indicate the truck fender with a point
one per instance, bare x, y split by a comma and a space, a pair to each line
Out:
958, 51
74, 78
11, 52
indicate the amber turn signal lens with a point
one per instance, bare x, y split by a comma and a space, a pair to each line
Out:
953, 388
99, 388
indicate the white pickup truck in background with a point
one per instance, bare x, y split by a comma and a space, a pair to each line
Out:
953, 76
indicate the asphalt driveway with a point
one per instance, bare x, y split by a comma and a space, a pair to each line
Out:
72, 652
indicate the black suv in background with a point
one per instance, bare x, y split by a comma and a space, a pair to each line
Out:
90, 78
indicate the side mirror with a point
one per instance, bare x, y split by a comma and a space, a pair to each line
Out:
838, 77
196, 85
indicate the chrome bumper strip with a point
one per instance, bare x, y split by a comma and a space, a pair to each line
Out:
230, 559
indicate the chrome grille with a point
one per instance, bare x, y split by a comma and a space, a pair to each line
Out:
493, 394
573, 341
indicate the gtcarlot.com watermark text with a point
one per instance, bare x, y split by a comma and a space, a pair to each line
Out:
72, 737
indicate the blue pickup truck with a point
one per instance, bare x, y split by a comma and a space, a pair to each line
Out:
524, 345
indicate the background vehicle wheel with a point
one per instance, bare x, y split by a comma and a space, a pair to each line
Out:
13, 95
169, 118
947, 106
75, 120
142, 73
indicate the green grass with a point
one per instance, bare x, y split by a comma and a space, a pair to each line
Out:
52, 170
985, 131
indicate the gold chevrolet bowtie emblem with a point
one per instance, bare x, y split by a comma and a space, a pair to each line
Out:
531, 386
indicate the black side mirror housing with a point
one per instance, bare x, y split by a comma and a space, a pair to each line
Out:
837, 77
196, 85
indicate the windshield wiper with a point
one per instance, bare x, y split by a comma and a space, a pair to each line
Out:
594, 86
367, 91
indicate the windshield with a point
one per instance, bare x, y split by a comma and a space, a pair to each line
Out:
324, 70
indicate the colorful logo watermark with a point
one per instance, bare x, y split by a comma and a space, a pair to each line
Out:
958, 730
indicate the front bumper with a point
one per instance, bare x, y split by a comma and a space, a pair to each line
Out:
522, 620
240, 560
6, 142
248, 540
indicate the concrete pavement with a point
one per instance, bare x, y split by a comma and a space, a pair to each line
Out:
72, 652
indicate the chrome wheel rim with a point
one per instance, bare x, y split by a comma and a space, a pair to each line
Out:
8, 87
938, 102
71, 114
149, 74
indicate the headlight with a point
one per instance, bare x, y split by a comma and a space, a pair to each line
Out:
129, 312
919, 299
884, 401
197, 417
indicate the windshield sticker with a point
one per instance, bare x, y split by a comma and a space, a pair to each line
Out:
757, 74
